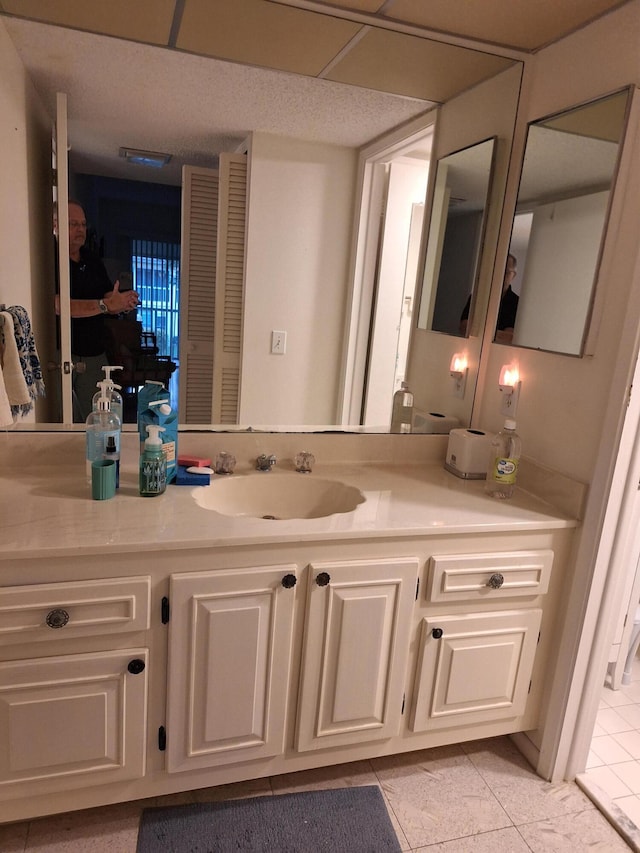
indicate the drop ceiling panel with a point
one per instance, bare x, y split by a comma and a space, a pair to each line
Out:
145, 20
408, 65
518, 23
264, 34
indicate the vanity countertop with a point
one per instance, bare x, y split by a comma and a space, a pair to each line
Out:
47, 511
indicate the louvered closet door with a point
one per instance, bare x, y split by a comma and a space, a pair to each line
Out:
229, 288
197, 292
212, 290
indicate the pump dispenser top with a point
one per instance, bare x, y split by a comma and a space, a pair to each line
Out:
111, 390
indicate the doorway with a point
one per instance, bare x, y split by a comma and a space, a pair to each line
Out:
394, 177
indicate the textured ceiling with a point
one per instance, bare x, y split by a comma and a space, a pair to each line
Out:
193, 77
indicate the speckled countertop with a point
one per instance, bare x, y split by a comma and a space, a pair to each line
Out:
46, 509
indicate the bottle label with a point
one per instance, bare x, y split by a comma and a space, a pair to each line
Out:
153, 476
505, 470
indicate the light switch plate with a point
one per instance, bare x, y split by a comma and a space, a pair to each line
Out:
278, 343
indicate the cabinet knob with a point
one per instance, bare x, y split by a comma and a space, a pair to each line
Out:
495, 581
136, 666
436, 633
323, 579
289, 581
57, 618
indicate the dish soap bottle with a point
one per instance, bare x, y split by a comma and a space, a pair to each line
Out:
102, 425
153, 464
503, 461
402, 410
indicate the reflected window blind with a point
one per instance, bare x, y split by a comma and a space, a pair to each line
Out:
156, 277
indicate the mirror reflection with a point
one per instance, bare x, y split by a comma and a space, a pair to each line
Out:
568, 171
456, 229
299, 283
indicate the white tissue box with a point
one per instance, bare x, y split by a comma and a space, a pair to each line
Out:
434, 422
468, 453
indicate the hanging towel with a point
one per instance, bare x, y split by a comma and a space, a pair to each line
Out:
14, 381
29, 360
6, 416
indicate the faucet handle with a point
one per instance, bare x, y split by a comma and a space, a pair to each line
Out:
304, 462
225, 463
264, 462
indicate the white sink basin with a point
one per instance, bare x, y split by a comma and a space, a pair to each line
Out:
277, 496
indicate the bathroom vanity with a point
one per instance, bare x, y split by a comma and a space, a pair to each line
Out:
154, 646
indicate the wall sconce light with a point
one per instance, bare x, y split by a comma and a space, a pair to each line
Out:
459, 370
509, 384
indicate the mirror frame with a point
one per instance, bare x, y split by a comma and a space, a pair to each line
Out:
435, 240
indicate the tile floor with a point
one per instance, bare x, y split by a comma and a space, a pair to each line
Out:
480, 797
613, 764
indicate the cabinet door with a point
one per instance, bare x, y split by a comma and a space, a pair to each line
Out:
72, 721
474, 668
358, 624
229, 656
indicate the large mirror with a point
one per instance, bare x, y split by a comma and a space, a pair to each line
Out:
97, 106
456, 231
563, 200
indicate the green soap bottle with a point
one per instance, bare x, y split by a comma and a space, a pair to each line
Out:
153, 464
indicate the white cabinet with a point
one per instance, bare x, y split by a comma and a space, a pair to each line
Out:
68, 720
474, 669
475, 663
229, 659
357, 632
72, 721
272, 661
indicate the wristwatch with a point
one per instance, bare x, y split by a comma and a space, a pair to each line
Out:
102, 306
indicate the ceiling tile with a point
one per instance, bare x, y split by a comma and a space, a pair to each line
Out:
517, 23
408, 65
263, 34
145, 20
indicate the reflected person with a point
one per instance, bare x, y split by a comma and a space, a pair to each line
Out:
92, 298
508, 306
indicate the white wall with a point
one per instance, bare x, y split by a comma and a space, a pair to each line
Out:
562, 253
26, 243
298, 240
565, 400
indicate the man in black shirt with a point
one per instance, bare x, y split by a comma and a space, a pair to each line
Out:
92, 297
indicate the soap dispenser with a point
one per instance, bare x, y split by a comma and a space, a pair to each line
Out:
102, 428
153, 464
112, 391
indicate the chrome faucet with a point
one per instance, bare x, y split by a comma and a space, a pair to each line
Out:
264, 462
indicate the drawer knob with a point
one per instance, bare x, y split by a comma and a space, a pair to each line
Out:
289, 581
323, 579
495, 581
136, 666
57, 618
436, 633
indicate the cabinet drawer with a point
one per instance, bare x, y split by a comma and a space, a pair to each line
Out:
54, 611
473, 577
